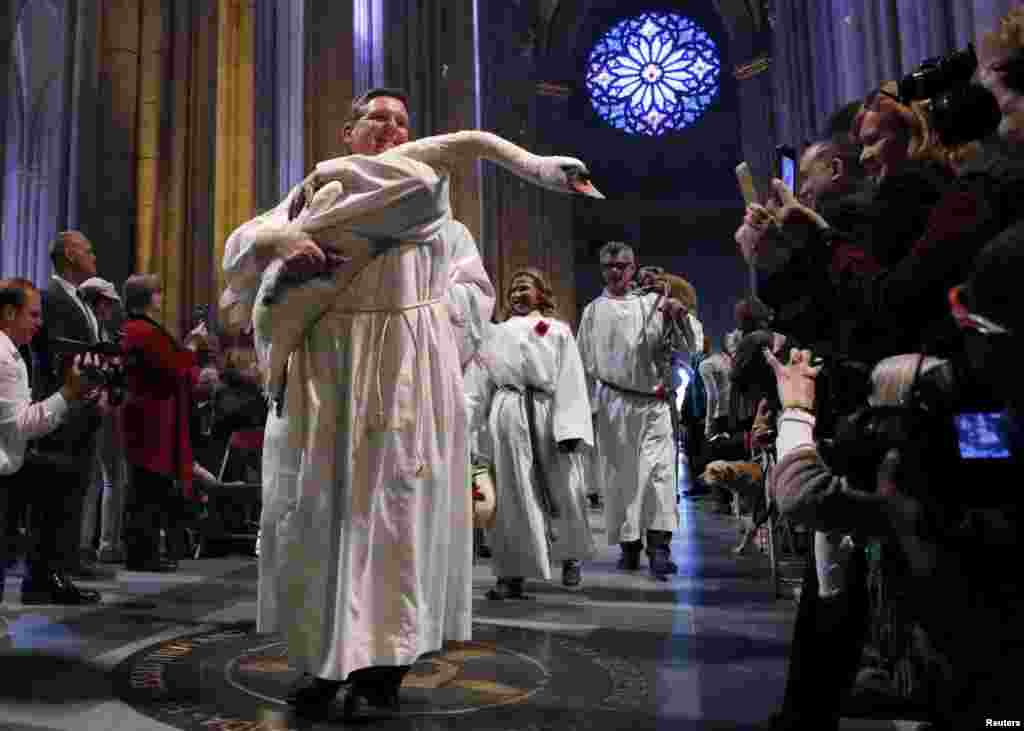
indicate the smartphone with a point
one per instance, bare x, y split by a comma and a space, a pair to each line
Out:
785, 166
746, 181
982, 435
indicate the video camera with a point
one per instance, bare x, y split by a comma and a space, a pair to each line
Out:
951, 429
108, 371
960, 111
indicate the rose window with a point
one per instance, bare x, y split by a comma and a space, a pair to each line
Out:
652, 74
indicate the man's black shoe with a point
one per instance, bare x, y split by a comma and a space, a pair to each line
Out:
312, 696
56, 588
661, 566
157, 565
368, 704
374, 693
91, 572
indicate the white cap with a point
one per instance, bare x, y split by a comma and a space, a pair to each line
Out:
95, 285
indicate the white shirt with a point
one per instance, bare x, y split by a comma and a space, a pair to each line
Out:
20, 419
72, 290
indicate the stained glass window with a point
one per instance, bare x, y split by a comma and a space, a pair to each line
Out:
652, 74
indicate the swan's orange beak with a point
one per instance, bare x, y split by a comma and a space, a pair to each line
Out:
583, 186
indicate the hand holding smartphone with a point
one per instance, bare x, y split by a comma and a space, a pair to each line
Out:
746, 182
786, 167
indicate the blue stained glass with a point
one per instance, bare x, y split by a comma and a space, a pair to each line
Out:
652, 74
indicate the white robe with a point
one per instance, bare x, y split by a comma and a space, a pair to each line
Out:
516, 355
635, 455
366, 545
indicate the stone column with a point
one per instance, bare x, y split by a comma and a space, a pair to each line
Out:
279, 75
368, 44
113, 225
328, 80
183, 250
152, 55
35, 136
460, 104
83, 135
234, 191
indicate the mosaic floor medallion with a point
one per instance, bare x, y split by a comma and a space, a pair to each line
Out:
232, 679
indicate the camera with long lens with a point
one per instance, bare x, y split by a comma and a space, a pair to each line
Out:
107, 369
960, 111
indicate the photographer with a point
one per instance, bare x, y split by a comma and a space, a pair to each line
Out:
105, 498
833, 615
161, 375
22, 420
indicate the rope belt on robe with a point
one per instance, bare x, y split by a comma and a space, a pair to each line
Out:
383, 245
631, 392
540, 477
389, 311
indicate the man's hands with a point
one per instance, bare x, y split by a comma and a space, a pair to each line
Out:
306, 260
673, 309
307, 189
762, 224
795, 380
763, 433
77, 385
787, 209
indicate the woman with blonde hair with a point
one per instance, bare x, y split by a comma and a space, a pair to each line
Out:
528, 402
893, 133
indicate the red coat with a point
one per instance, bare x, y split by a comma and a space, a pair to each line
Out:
160, 377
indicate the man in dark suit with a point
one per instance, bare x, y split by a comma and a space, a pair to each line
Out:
66, 455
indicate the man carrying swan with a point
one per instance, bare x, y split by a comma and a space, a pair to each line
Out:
367, 297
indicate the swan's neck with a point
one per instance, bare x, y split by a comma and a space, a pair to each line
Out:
449, 149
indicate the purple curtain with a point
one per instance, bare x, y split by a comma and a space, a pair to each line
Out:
829, 52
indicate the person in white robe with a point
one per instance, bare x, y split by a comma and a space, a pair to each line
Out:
365, 296
619, 336
541, 506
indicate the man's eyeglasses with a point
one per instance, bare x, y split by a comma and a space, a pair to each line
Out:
620, 265
967, 320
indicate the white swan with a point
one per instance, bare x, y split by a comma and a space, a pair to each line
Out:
351, 206
555, 172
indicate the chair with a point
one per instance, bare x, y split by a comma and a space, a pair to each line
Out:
245, 443
786, 553
233, 508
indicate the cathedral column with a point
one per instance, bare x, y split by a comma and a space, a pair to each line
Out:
113, 222
151, 70
328, 77
183, 249
234, 190
279, 78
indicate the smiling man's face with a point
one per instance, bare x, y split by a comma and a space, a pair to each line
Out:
385, 124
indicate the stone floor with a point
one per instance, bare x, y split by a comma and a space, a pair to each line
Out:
707, 650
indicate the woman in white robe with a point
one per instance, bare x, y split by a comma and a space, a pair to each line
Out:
366, 531
533, 350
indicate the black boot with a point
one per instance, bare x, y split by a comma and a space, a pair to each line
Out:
630, 559
658, 555
508, 588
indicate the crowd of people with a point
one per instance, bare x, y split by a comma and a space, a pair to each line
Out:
385, 371
98, 397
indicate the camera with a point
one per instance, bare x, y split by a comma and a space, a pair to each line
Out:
951, 430
108, 372
960, 111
